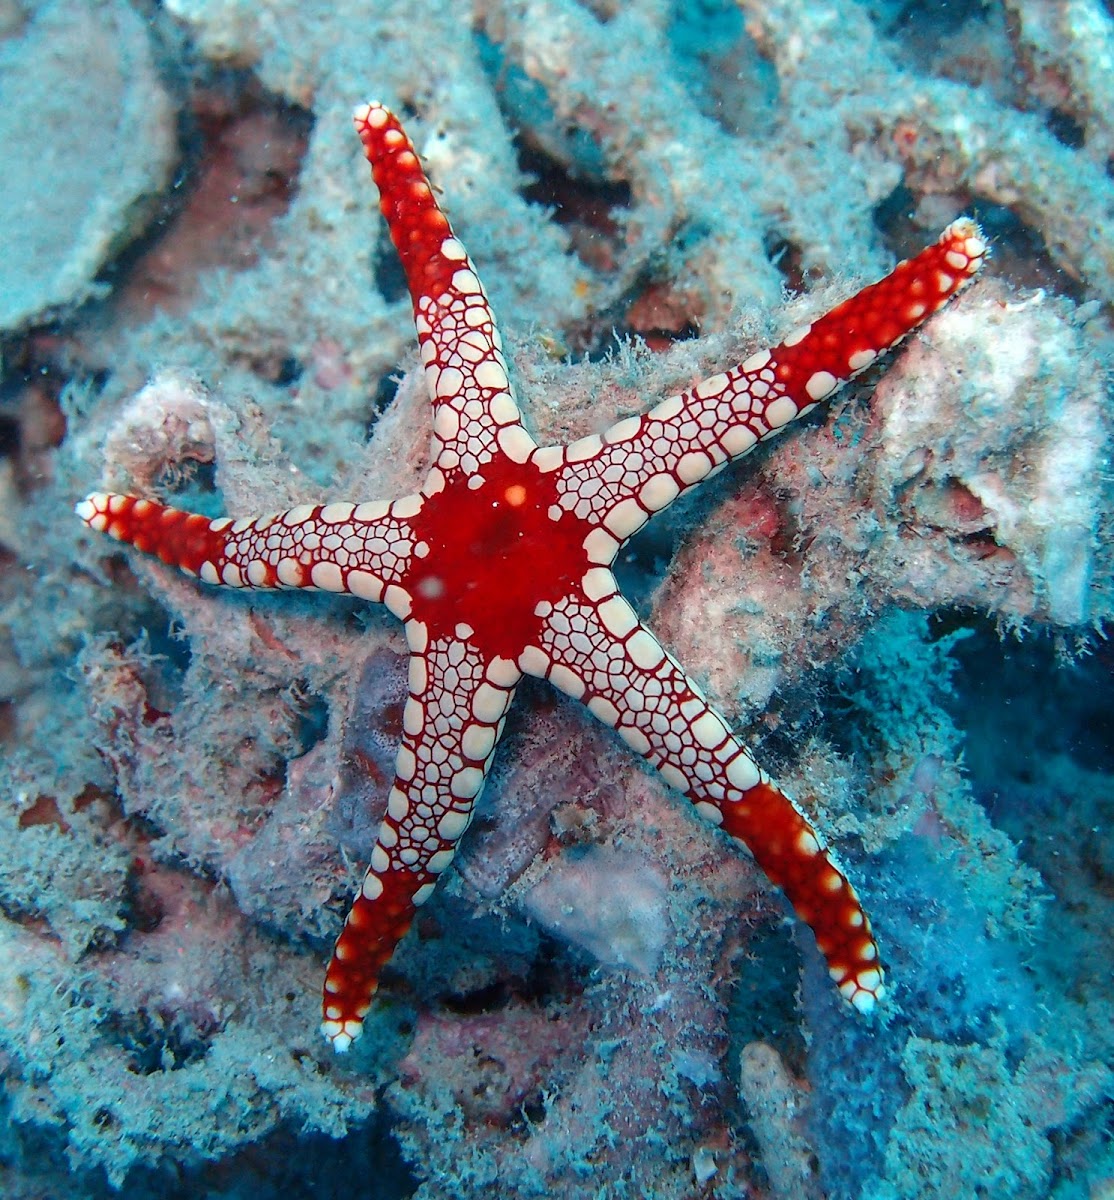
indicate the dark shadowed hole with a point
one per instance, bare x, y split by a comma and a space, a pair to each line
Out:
382, 397
761, 1006
9, 435
190, 484
390, 278
385, 391
35, 368
163, 662
586, 208
547, 979
786, 257
1065, 128
290, 370
156, 1042
1071, 714
933, 19
492, 998
923, 27
312, 717
144, 909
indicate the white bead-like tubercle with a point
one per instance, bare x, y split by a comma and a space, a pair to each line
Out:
97, 508
342, 1033
90, 507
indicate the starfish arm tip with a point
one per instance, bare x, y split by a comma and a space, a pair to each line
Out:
964, 237
341, 1034
367, 114
87, 508
864, 990
93, 510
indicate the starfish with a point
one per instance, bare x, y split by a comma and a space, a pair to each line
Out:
500, 566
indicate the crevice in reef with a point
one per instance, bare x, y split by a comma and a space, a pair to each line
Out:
589, 210
242, 151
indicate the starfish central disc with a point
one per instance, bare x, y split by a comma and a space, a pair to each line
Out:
499, 549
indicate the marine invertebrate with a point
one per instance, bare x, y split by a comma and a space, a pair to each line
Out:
500, 566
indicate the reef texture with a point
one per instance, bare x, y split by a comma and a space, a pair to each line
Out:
71, 72
903, 604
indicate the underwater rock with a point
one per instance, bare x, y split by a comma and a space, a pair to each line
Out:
81, 106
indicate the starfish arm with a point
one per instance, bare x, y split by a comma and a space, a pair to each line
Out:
451, 724
363, 549
598, 652
641, 464
473, 403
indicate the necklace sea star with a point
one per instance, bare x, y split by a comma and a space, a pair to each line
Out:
500, 566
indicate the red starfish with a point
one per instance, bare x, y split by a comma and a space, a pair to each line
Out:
500, 566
